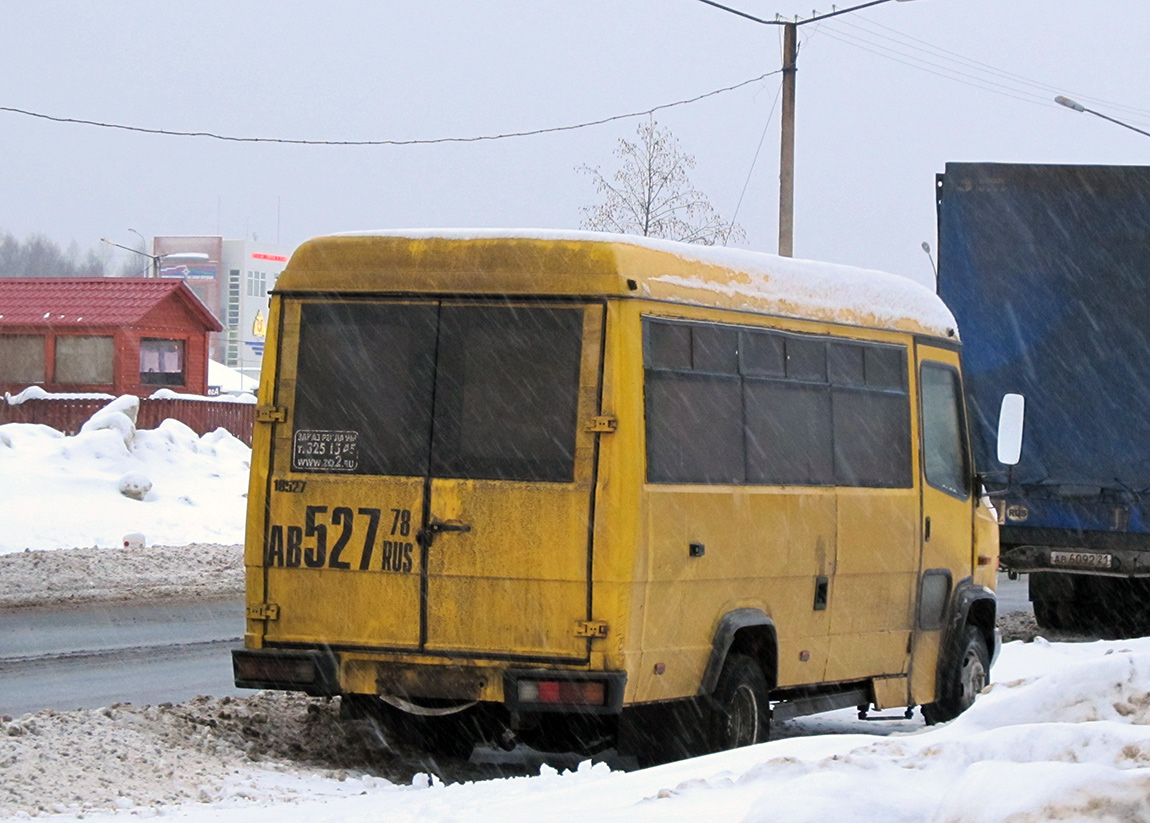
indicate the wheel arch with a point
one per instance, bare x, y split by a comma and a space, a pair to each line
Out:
746, 631
974, 605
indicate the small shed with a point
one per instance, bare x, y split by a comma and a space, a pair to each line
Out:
116, 335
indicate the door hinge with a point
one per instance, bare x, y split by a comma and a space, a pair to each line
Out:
271, 414
591, 628
264, 611
605, 424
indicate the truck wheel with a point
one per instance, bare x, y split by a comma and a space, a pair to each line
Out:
740, 705
1048, 615
965, 675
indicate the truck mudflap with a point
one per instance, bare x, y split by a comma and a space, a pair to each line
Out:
1112, 562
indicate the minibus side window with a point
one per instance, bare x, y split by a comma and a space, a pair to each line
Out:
773, 408
942, 431
694, 428
789, 433
696, 433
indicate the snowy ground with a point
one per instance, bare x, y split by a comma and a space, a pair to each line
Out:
1063, 732
64, 492
1060, 735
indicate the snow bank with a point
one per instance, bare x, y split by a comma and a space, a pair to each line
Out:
1063, 737
38, 393
64, 492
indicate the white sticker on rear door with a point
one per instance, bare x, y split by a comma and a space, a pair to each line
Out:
329, 451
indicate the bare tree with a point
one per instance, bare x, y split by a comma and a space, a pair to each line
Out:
651, 194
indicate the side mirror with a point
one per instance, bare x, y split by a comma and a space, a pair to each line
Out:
1010, 428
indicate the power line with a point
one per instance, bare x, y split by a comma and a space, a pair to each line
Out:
1013, 86
936, 69
416, 142
755, 159
986, 68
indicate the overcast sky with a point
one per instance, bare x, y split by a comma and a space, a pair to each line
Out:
886, 97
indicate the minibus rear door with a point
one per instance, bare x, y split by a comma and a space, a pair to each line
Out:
506, 539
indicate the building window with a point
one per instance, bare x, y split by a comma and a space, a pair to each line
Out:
162, 362
232, 319
84, 360
22, 358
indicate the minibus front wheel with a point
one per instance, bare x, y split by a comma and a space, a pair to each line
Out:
740, 705
965, 675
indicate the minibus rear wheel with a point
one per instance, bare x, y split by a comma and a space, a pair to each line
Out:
740, 705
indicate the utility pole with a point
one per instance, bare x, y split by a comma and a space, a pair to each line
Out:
787, 142
787, 138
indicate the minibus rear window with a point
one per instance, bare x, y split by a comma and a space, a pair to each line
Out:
364, 382
506, 390
459, 391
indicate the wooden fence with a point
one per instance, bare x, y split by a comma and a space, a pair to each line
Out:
202, 416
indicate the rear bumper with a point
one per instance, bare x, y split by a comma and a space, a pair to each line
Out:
314, 672
318, 672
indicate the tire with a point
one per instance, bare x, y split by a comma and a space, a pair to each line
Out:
1074, 615
1048, 615
383, 726
965, 675
740, 705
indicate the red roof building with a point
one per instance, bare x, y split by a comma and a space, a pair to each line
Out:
122, 336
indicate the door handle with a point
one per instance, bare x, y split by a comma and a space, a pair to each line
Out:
926, 531
426, 536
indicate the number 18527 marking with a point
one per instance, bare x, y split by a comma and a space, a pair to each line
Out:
286, 549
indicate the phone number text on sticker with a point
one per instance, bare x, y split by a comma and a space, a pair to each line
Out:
332, 451
344, 539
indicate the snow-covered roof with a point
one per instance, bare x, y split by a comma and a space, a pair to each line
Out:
510, 261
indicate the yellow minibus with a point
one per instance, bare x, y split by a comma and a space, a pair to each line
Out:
581, 490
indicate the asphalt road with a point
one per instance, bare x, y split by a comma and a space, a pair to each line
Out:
95, 655
1013, 595
92, 656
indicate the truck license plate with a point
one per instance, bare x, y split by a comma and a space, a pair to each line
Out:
1080, 560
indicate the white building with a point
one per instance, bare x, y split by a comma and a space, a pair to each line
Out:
251, 269
233, 282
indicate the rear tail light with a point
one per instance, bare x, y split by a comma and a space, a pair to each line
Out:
563, 692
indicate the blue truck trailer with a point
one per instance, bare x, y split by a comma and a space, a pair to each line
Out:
1047, 270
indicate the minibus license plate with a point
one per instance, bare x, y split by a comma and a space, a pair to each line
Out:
1081, 560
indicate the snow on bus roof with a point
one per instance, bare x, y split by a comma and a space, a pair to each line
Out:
757, 281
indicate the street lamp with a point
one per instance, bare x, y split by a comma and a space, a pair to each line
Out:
1076, 106
787, 140
175, 256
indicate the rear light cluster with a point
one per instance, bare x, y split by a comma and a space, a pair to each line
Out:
563, 692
